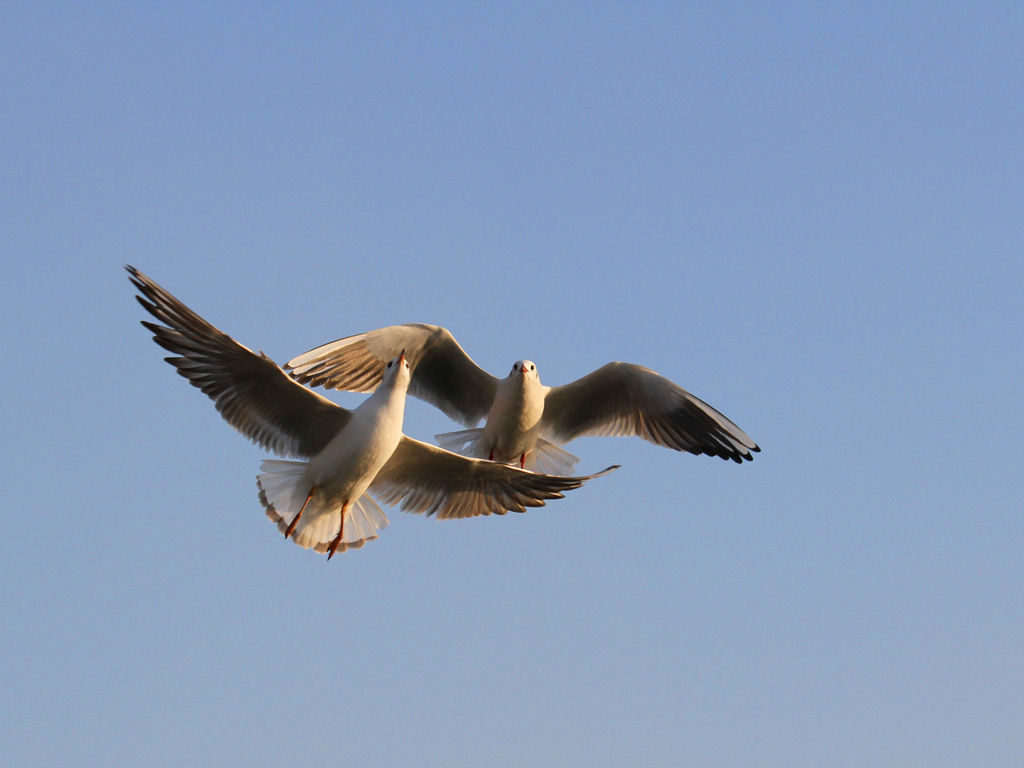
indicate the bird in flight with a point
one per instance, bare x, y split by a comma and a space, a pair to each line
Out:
324, 501
526, 422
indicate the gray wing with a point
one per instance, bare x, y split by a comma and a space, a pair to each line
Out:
443, 374
627, 399
430, 480
250, 391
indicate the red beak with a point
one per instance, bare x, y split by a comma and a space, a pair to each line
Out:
401, 357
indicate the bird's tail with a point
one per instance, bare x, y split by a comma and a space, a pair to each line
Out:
468, 442
284, 491
549, 459
546, 458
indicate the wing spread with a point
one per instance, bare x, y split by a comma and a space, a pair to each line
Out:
443, 374
627, 399
430, 480
251, 392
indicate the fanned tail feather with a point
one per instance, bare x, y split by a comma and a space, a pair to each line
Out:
547, 458
467, 442
283, 491
364, 519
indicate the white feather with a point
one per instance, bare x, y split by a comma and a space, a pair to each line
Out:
549, 459
285, 486
467, 442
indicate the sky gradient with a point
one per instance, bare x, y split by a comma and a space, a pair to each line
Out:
809, 215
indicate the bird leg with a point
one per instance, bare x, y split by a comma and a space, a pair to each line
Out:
341, 530
492, 455
522, 461
295, 520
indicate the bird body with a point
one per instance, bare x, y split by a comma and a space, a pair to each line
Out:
360, 450
341, 473
514, 419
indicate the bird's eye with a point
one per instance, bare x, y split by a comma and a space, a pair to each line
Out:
531, 367
390, 363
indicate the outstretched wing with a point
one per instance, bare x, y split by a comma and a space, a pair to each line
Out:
251, 392
627, 399
443, 374
430, 480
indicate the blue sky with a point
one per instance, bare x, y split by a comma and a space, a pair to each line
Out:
810, 215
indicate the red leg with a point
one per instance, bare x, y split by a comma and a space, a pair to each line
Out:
522, 461
295, 520
341, 531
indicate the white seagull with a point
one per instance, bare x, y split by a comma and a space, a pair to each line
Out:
322, 502
525, 420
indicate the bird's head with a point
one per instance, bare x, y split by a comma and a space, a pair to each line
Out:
524, 370
397, 370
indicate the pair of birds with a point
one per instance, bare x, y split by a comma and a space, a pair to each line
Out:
323, 501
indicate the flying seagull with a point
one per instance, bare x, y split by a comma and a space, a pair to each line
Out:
525, 420
321, 502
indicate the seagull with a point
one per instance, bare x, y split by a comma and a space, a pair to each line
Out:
525, 420
322, 501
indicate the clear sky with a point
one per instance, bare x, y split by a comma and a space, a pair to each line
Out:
809, 215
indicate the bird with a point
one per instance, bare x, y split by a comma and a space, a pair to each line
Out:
525, 421
325, 500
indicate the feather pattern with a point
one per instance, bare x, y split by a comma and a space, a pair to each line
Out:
626, 399
429, 480
252, 394
443, 374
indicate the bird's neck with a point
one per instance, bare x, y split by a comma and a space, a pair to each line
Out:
519, 399
517, 389
389, 399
